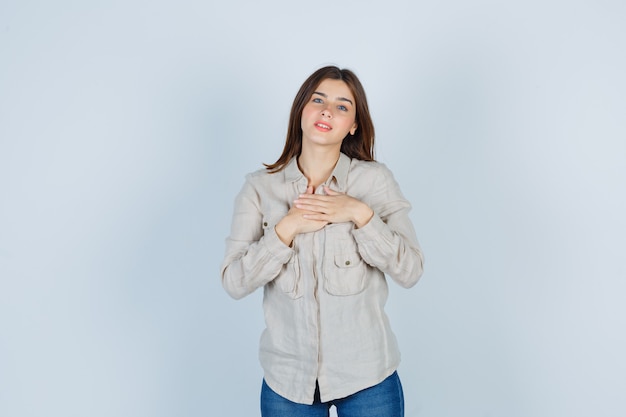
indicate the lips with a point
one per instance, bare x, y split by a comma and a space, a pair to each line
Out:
322, 127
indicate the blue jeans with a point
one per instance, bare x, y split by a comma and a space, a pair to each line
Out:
383, 400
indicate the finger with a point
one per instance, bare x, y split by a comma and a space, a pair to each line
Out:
316, 208
312, 199
316, 217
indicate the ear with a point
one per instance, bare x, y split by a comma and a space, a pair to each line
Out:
353, 129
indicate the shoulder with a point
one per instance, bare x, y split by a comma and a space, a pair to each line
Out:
256, 184
262, 176
370, 168
261, 185
256, 175
376, 181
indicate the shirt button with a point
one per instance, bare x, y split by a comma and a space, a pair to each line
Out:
265, 224
347, 263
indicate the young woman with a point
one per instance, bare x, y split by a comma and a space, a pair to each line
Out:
318, 230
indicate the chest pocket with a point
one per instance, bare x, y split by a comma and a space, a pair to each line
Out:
344, 269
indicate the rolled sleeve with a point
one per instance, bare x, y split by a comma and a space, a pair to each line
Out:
388, 241
254, 255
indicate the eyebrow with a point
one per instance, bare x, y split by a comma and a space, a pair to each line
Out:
338, 98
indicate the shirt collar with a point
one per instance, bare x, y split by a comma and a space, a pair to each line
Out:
339, 174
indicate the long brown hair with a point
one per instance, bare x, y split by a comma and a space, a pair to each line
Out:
359, 146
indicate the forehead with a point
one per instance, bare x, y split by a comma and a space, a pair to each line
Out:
335, 88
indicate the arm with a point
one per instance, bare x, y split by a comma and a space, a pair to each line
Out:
388, 241
254, 255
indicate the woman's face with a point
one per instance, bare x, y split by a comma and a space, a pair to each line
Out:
329, 114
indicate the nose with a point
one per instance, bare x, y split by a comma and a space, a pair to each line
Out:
327, 113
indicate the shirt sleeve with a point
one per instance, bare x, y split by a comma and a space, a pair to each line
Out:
388, 241
255, 254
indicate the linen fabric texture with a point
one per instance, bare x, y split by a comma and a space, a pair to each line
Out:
324, 296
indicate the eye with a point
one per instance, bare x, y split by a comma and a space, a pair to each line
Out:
342, 108
317, 100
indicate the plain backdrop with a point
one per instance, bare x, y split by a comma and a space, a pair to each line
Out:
126, 129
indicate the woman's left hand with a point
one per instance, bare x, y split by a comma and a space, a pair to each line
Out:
335, 207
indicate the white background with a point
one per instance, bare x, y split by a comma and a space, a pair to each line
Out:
126, 129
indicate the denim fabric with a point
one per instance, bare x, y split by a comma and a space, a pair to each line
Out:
383, 400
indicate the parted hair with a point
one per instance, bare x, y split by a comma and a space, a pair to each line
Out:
358, 146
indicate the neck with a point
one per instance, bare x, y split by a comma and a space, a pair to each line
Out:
317, 164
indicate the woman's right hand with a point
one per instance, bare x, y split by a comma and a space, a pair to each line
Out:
294, 223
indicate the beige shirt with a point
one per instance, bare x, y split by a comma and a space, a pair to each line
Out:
324, 296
